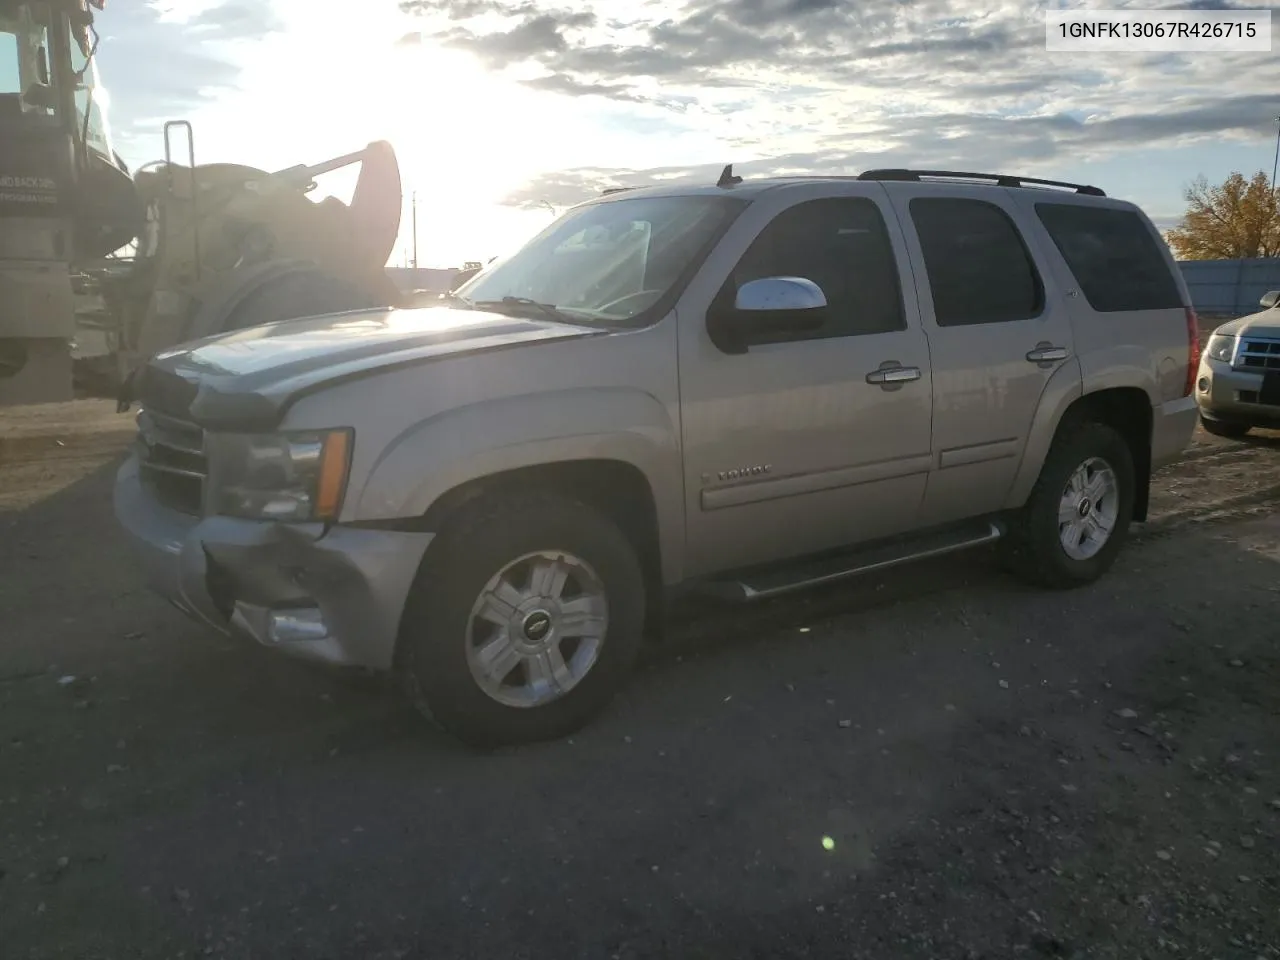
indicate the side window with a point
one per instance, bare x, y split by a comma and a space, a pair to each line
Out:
979, 268
842, 245
1113, 257
10, 75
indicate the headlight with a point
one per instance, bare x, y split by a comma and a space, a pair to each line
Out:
1221, 347
287, 476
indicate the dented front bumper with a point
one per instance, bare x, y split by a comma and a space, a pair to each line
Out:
333, 594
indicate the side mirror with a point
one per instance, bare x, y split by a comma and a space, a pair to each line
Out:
1270, 299
766, 309
794, 298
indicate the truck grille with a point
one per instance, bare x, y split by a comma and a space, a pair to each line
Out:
1258, 355
171, 460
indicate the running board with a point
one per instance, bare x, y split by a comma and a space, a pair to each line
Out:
773, 581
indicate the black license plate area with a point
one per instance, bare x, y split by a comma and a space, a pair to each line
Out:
1270, 392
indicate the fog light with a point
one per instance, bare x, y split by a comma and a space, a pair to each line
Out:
1203, 384
291, 626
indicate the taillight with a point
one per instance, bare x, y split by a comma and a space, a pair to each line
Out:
1193, 351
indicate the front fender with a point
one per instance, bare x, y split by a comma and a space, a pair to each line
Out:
482, 439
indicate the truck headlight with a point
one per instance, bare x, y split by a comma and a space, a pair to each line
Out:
286, 476
1221, 347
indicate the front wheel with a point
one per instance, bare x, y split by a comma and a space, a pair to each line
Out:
525, 619
292, 296
1079, 511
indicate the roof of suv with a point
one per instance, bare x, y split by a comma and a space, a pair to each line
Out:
751, 188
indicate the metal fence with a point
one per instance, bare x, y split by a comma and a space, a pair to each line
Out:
1230, 287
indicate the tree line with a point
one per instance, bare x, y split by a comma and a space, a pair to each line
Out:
1236, 219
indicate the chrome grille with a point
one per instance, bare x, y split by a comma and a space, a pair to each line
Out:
1257, 355
171, 460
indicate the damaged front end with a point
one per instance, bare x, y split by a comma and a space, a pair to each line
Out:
314, 589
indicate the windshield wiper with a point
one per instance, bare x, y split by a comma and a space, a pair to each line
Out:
524, 304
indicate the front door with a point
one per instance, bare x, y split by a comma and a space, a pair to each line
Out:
997, 333
788, 448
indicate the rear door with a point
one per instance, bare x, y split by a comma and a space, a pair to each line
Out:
998, 331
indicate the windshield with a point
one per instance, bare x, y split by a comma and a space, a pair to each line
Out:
92, 94
610, 260
24, 62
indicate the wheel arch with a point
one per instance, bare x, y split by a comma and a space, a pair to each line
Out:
1127, 410
617, 488
242, 285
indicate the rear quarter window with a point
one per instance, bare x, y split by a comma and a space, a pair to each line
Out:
1113, 257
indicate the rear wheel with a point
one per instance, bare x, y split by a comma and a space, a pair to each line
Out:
524, 621
1221, 428
308, 293
1079, 511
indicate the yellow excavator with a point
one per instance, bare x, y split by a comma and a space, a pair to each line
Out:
169, 253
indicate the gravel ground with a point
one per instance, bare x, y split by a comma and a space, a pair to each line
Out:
935, 764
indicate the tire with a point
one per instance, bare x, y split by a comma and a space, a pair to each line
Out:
294, 295
439, 628
1223, 428
1035, 549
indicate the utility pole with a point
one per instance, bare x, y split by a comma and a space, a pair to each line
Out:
415, 229
1275, 164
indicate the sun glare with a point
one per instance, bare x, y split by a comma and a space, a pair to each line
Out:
466, 136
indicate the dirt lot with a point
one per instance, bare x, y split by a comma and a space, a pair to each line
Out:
938, 764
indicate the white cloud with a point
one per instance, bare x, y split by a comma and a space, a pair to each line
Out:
521, 101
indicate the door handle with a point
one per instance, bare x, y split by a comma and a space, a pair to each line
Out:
1047, 353
887, 376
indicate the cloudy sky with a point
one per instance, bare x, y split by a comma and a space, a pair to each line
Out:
502, 110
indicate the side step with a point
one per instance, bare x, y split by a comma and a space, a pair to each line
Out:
773, 581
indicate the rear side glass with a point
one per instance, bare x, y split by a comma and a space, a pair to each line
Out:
1113, 257
979, 268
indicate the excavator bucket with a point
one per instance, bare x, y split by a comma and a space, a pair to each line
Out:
376, 203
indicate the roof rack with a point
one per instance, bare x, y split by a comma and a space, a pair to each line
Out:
609, 190
1000, 179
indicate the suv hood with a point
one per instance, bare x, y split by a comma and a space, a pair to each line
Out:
247, 379
1265, 323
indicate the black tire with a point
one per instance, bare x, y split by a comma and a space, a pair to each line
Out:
1222, 428
471, 549
310, 293
1034, 550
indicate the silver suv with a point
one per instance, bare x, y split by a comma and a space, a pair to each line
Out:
1239, 383
740, 388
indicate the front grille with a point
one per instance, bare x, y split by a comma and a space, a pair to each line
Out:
171, 460
1258, 355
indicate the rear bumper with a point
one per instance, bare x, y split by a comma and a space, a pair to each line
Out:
1232, 395
333, 595
1172, 426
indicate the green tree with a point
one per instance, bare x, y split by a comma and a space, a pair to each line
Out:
1237, 218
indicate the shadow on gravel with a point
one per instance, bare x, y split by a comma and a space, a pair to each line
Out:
1266, 441
996, 772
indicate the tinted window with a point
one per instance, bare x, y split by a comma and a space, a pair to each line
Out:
979, 268
1113, 257
843, 246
